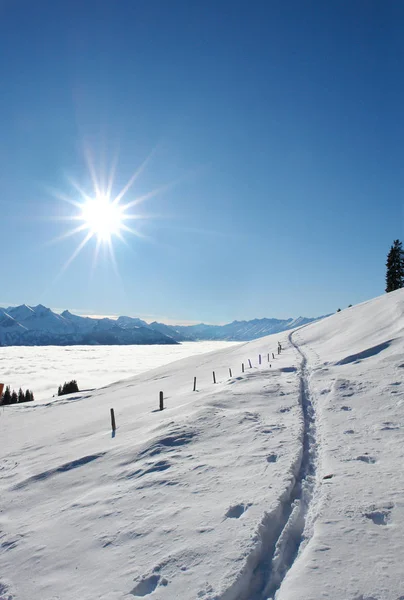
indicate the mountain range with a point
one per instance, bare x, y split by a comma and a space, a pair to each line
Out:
40, 326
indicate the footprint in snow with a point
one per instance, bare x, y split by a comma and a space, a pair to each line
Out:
146, 586
389, 426
366, 459
379, 517
235, 512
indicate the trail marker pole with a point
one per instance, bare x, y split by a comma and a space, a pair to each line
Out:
113, 424
214, 377
259, 359
194, 384
268, 356
230, 372
273, 356
242, 367
161, 401
249, 362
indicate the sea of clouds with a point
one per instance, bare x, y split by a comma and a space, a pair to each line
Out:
43, 368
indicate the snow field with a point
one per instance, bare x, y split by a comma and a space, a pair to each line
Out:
181, 503
282, 482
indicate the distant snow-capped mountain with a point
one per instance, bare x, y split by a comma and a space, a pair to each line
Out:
241, 331
40, 326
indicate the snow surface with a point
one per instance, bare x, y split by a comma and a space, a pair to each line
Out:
284, 480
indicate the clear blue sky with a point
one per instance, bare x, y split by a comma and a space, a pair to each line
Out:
280, 122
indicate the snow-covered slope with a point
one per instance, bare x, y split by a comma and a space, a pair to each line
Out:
283, 480
355, 368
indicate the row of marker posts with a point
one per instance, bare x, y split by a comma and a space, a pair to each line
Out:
161, 395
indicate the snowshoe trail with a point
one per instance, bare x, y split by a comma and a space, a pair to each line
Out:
295, 518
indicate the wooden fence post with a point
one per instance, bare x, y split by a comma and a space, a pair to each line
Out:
273, 355
161, 401
214, 377
230, 372
242, 367
249, 362
268, 356
113, 425
194, 384
259, 359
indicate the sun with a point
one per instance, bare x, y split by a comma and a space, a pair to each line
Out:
102, 217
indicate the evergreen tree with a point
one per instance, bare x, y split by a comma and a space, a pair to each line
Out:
7, 395
395, 267
21, 396
14, 397
27, 396
68, 388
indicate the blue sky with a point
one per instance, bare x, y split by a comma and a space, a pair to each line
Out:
274, 129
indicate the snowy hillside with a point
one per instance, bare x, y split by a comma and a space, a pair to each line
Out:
284, 480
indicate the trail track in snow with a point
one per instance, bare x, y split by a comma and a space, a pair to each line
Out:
286, 531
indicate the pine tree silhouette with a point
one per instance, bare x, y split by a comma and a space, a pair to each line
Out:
68, 388
7, 395
14, 397
395, 267
21, 397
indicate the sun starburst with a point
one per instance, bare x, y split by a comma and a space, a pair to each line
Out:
102, 215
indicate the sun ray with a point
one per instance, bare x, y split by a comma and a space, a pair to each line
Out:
65, 198
143, 217
95, 256
80, 190
67, 234
112, 174
113, 259
132, 180
91, 168
122, 239
135, 232
77, 251
152, 194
